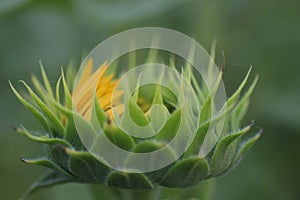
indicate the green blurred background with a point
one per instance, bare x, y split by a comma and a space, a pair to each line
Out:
265, 34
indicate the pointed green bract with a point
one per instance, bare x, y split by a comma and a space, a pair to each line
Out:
86, 167
46, 81
118, 137
244, 147
234, 98
98, 114
206, 110
42, 139
241, 108
47, 163
170, 128
186, 173
37, 114
225, 152
56, 125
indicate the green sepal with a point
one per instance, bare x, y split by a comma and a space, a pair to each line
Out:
68, 96
46, 81
55, 123
98, 114
118, 137
47, 163
241, 108
71, 72
136, 113
147, 146
206, 110
133, 181
57, 153
199, 145
234, 98
186, 173
49, 179
225, 152
86, 167
42, 139
158, 113
150, 146
57, 90
244, 146
157, 99
36, 113
194, 148
169, 130
41, 91
233, 101
199, 91
71, 134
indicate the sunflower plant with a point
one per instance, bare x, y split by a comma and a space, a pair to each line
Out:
95, 98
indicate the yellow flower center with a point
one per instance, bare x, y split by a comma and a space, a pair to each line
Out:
105, 90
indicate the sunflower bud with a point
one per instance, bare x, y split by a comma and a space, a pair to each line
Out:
104, 114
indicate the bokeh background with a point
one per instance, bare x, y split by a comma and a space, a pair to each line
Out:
262, 33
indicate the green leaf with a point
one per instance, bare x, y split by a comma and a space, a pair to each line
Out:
37, 114
49, 179
186, 173
87, 168
133, 181
225, 152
